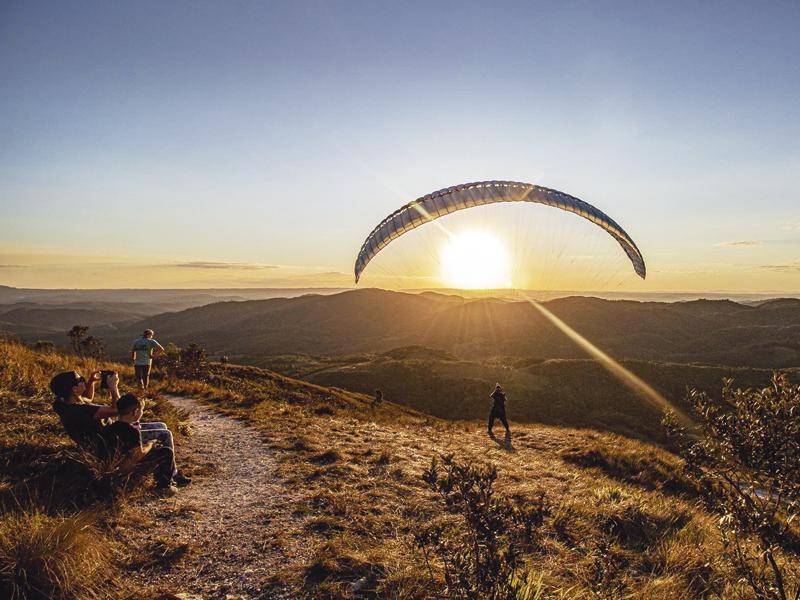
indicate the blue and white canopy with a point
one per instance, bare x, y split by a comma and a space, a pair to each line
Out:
468, 195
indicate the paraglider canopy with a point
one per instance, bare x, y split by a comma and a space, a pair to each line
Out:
469, 195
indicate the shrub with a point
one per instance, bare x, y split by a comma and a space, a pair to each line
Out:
193, 362
481, 539
745, 463
170, 360
93, 347
44, 346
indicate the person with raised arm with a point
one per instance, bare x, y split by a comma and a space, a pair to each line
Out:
82, 419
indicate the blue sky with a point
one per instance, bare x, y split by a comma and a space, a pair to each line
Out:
149, 134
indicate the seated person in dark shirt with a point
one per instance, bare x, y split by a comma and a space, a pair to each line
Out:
82, 419
124, 438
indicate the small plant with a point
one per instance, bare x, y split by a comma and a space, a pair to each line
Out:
746, 464
481, 539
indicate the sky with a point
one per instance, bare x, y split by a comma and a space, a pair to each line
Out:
256, 144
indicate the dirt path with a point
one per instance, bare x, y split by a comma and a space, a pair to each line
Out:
229, 518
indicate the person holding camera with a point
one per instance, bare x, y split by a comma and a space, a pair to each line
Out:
142, 352
82, 419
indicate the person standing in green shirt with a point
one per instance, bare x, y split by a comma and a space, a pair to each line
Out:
142, 353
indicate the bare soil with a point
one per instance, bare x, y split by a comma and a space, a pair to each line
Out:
221, 536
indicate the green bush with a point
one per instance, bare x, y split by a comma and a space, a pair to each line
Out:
746, 465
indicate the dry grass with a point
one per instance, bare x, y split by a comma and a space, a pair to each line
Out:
53, 557
57, 503
624, 520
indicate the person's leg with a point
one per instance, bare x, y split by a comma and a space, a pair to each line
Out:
139, 373
146, 376
492, 416
162, 435
503, 419
161, 462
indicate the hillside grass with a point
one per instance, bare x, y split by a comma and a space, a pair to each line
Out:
58, 505
623, 521
562, 392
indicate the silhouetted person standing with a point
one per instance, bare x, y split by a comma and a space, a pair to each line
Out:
498, 397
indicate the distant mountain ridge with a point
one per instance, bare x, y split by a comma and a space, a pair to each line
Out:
766, 335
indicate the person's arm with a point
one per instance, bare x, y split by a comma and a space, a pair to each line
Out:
133, 353
158, 350
139, 452
93, 378
104, 412
134, 455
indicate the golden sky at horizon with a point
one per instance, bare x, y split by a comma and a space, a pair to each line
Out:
52, 270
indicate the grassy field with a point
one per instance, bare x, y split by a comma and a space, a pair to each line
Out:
616, 517
621, 520
567, 393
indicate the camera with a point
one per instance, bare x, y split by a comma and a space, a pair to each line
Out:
104, 375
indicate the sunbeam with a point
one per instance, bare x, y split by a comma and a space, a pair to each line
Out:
633, 381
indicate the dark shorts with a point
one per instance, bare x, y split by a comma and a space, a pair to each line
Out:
142, 371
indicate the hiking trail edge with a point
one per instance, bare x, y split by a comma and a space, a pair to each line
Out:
230, 517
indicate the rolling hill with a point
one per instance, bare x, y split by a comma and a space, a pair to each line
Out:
370, 320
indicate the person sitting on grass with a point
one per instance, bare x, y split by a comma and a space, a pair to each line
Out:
82, 419
124, 438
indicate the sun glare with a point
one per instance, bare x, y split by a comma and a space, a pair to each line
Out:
475, 260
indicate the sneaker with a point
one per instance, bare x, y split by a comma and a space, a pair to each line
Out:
166, 490
181, 480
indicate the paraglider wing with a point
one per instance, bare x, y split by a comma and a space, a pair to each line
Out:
460, 197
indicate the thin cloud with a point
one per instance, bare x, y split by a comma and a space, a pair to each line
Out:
15, 266
741, 244
791, 226
784, 268
200, 264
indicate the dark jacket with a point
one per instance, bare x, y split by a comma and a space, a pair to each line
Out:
499, 397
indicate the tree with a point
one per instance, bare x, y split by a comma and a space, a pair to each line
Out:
76, 335
746, 463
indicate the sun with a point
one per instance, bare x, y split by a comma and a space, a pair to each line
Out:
475, 260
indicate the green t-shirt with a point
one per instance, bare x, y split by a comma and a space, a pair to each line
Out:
144, 347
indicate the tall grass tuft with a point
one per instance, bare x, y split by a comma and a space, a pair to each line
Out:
53, 557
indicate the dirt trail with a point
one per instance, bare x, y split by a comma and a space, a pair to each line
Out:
230, 516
